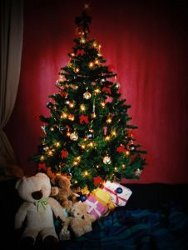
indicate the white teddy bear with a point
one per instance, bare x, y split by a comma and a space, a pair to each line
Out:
37, 212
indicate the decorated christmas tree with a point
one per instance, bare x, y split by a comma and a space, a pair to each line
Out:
88, 135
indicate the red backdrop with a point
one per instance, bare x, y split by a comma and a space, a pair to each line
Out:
144, 43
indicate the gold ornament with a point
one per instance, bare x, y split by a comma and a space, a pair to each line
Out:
87, 95
107, 160
74, 136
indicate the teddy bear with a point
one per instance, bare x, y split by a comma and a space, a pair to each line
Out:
62, 192
79, 221
37, 212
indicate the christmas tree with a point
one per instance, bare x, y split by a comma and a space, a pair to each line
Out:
87, 134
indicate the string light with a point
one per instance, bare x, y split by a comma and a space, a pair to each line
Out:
63, 115
103, 104
94, 44
85, 173
82, 40
68, 133
77, 70
83, 146
50, 153
46, 148
42, 158
57, 144
97, 61
93, 115
127, 153
75, 163
82, 107
71, 117
97, 91
109, 120
113, 133
91, 65
71, 104
91, 144
107, 138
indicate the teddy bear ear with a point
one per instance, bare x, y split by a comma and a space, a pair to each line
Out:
19, 182
42, 175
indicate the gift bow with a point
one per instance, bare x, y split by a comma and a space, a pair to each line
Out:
42, 203
93, 206
117, 197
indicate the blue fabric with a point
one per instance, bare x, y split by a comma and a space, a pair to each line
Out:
141, 229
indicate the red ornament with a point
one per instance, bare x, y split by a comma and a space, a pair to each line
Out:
106, 90
42, 166
97, 180
108, 99
80, 52
121, 149
84, 119
64, 154
63, 93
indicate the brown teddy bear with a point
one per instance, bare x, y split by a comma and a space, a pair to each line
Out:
80, 221
61, 191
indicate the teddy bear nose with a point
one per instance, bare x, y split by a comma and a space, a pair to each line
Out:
37, 195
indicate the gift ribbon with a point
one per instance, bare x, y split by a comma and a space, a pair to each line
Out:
42, 203
117, 197
93, 206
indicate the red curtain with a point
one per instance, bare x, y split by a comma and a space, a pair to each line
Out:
144, 43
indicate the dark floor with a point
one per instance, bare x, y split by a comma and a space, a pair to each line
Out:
144, 196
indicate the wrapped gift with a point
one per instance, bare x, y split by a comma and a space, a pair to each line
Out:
104, 198
95, 207
119, 194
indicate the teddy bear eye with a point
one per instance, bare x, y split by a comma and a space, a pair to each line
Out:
78, 214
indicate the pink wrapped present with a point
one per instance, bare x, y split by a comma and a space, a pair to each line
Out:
119, 194
95, 208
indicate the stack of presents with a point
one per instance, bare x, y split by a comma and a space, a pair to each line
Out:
105, 199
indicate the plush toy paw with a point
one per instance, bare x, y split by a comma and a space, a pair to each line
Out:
54, 191
64, 234
50, 243
26, 243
